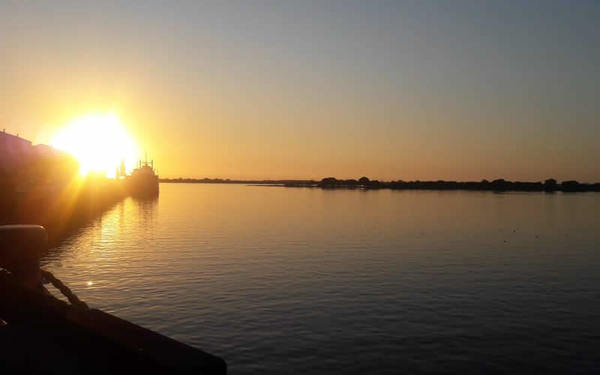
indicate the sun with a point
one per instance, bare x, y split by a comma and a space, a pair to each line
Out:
99, 142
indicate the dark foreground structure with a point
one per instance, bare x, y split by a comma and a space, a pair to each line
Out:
40, 334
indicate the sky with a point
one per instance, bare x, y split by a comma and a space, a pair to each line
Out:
457, 90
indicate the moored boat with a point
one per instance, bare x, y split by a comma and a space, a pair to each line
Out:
143, 181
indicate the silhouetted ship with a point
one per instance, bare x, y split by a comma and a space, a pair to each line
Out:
143, 181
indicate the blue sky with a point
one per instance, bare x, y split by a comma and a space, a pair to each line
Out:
265, 89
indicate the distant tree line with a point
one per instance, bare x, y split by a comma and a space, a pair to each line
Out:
549, 185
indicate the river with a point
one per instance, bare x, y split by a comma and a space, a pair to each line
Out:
299, 280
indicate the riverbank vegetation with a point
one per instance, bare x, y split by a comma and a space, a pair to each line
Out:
549, 185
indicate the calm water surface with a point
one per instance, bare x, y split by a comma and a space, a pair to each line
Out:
279, 280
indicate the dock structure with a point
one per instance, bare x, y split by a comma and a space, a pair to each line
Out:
40, 334
42, 185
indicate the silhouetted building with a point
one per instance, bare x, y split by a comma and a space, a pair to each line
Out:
24, 167
14, 151
13, 143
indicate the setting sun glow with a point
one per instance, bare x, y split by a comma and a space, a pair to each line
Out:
99, 142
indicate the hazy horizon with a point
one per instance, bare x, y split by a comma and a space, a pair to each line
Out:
464, 90
317, 179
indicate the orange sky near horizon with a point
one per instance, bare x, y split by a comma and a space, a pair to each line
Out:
305, 91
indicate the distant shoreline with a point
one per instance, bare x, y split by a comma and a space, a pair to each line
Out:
364, 183
230, 181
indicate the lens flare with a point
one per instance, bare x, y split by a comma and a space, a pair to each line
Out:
99, 142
